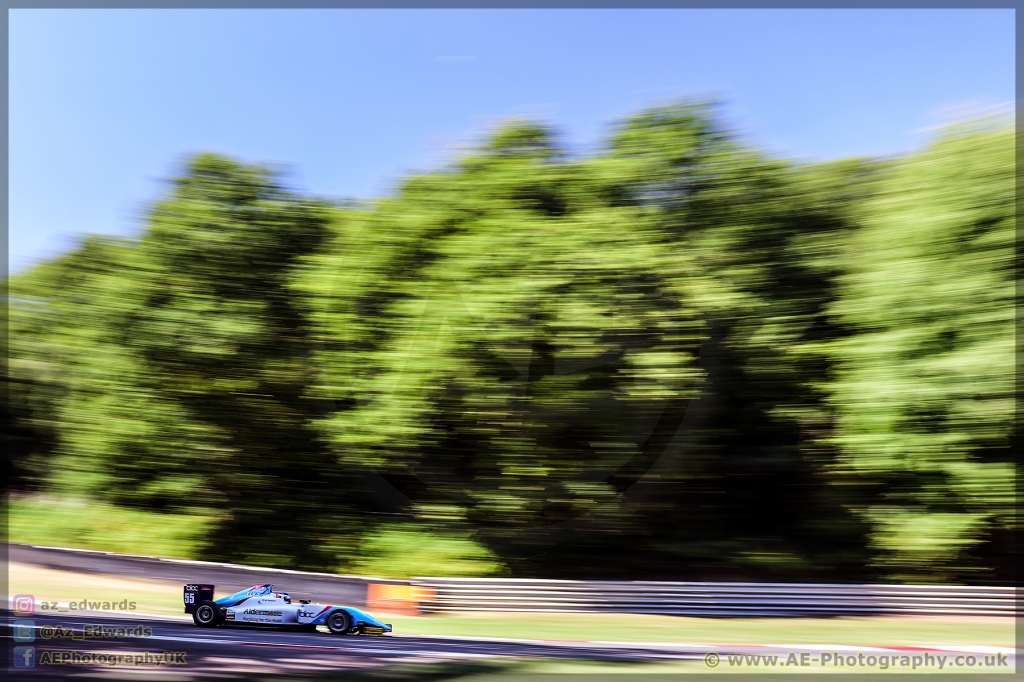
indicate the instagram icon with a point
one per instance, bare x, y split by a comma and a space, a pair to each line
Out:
24, 604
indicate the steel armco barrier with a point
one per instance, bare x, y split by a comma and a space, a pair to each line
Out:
711, 599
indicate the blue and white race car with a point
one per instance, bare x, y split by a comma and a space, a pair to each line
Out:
260, 605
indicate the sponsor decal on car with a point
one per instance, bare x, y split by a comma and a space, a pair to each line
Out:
314, 614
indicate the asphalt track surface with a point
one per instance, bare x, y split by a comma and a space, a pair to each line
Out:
241, 650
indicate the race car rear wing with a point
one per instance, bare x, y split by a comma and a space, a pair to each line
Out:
195, 594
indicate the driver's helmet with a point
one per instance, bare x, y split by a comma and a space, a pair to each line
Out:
287, 599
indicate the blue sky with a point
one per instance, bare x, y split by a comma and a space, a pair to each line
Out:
105, 104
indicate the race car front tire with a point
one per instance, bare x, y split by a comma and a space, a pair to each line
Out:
338, 623
206, 614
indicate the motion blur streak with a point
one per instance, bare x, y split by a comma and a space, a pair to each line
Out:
677, 359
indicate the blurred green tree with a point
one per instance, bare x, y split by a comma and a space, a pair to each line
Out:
222, 336
743, 492
183, 359
504, 343
924, 388
42, 353
519, 338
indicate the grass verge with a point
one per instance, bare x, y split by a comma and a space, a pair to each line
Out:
161, 597
866, 631
43, 520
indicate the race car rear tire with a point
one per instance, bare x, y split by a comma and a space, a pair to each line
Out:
338, 623
206, 614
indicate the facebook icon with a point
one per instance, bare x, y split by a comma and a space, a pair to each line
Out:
24, 657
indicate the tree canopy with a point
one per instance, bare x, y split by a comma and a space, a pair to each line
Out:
676, 358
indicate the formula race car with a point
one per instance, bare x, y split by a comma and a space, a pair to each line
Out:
260, 605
